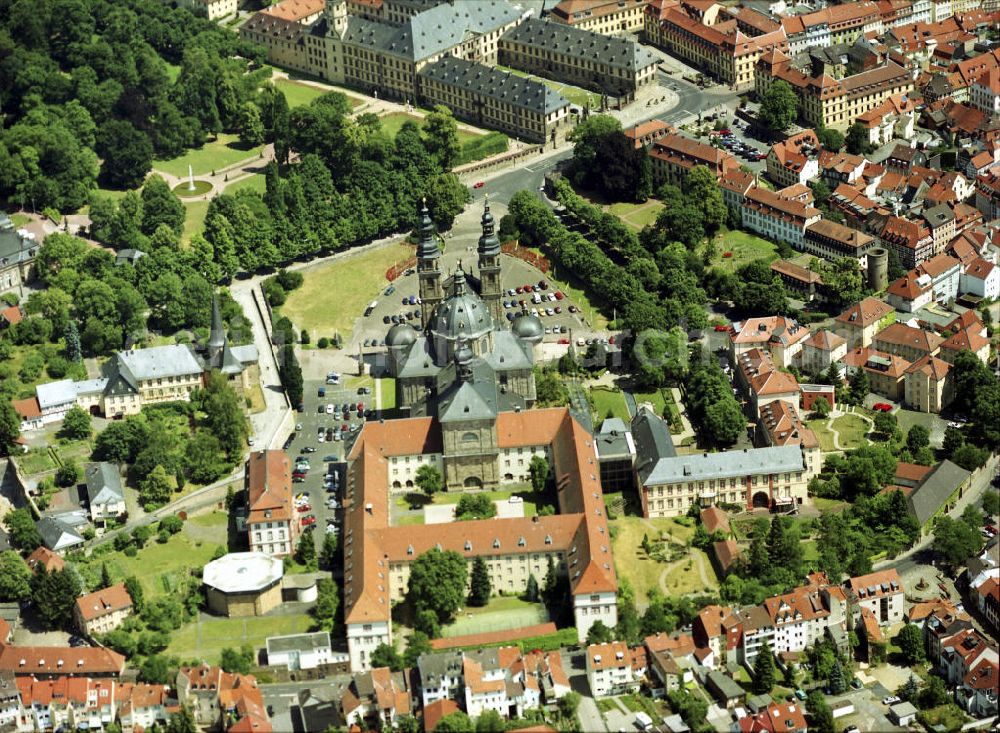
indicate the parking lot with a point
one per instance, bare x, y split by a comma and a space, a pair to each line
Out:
325, 416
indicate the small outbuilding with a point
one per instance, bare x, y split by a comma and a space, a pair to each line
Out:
902, 713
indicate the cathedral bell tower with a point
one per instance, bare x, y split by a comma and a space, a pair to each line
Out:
428, 267
489, 266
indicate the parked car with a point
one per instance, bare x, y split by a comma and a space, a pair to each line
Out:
882, 407
304, 508
891, 700
308, 520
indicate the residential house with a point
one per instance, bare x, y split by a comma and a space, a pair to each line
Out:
58, 535
886, 372
214, 695
440, 676
801, 617
103, 610
51, 662
437, 710
778, 218
671, 660
10, 700
376, 698
859, 323
646, 133
781, 337
988, 601
141, 706
43, 557
945, 272
73, 703
614, 668
794, 160
981, 278
894, 119
272, 526
977, 693
762, 382
988, 194
912, 240
798, 279
968, 339
299, 651
105, 493
881, 592
929, 386
984, 93
820, 350
778, 717
911, 292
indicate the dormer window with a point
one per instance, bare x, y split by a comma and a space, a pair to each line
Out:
496, 543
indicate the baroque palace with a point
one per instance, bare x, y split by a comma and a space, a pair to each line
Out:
468, 381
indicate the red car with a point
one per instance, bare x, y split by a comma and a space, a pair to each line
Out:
299, 474
722, 328
519, 290
478, 184
529, 288
304, 508
882, 407
559, 295
361, 407
564, 341
308, 520
542, 285
611, 339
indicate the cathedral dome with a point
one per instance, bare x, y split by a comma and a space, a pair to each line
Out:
527, 327
463, 314
402, 334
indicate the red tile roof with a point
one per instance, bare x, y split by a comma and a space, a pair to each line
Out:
102, 602
46, 660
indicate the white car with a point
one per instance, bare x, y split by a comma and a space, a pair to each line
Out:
321, 438
552, 297
891, 700
332, 529
580, 342
329, 409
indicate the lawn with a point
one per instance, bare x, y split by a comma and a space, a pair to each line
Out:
637, 216
852, 430
823, 434
334, 295
37, 460
387, 389
500, 614
205, 637
685, 578
298, 94
255, 182
745, 247
194, 222
609, 401
173, 71
452, 497
631, 561
828, 505
20, 220
392, 122
224, 151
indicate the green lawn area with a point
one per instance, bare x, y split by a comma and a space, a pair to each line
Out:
656, 399
19, 220
745, 247
637, 216
334, 295
36, 461
220, 153
205, 638
256, 182
631, 561
298, 94
194, 222
392, 122
828, 505
445, 497
852, 430
387, 389
609, 400
685, 578
500, 614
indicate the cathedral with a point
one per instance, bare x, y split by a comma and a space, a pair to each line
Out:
465, 365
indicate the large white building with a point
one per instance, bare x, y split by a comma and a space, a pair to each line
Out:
614, 668
299, 651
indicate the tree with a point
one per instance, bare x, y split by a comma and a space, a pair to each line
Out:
821, 717
954, 439
426, 622
250, 126
475, 506
724, 422
886, 426
224, 416
779, 107
910, 641
446, 197
10, 426
538, 468
490, 722
155, 489
134, 589
181, 722
54, 595
290, 374
72, 340
857, 140
76, 424
933, 695
418, 643
531, 591
589, 138
106, 581
21, 526
327, 603
909, 690
599, 633
233, 660
68, 474
457, 722
385, 655
329, 552
428, 479
859, 385
127, 154
836, 680
830, 139
991, 502
161, 206
305, 554
917, 437
764, 672
821, 408
954, 540
969, 456
437, 583
481, 588
15, 577
441, 136
569, 704
702, 190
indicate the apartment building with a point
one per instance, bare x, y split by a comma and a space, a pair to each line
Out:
929, 386
377, 697
831, 25
882, 593
988, 194
272, 527
53, 662
911, 240
777, 218
220, 699
70, 703
894, 119
141, 706
820, 350
886, 372
713, 39
981, 278
614, 668
673, 155
945, 273
103, 610
907, 342
802, 617
762, 382
600, 16
794, 160
984, 94
617, 67
968, 339
829, 102
829, 240
781, 337
910, 293
499, 100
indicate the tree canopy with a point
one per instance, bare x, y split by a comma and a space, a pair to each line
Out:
437, 583
779, 106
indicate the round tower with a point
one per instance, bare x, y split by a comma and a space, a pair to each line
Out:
878, 269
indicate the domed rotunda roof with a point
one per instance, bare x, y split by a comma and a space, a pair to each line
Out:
402, 334
462, 315
527, 327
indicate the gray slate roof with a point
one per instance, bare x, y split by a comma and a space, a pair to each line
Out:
56, 534
433, 31
173, 360
433, 666
52, 394
104, 484
925, 500
298, 642
611, 51
14, 247
495, 84
474, 400
727, 464
653, 444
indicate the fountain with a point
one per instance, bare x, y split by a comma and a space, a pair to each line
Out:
190, 179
